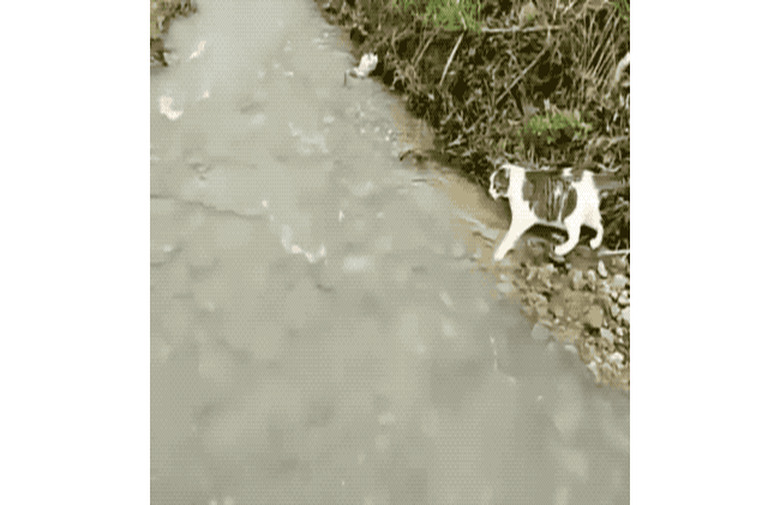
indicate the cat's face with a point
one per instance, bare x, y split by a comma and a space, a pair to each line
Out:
499, 183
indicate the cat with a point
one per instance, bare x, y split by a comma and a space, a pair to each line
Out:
550, 197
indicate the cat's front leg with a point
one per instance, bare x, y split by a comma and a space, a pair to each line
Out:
516, 229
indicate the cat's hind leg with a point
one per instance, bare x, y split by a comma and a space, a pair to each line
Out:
572, 224
593, 220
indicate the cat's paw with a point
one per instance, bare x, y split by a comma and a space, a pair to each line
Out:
499, 255
595, 242
562, 250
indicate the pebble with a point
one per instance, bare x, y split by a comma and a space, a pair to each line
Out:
602, 269
619, 282
615, 358
623, 300
621, 264
577, 280
621, 332
591, 276
625, 316
614, 310
593, 367
608, 336
595, 317
540, 332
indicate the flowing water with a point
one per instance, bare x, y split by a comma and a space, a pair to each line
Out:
326, 325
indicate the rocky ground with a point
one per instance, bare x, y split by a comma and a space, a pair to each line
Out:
583, 301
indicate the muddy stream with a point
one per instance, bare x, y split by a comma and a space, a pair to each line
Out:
327, 327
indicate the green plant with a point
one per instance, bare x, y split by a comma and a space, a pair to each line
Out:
623, 8
446, 14
552, 129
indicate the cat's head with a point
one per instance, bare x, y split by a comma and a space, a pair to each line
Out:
499, 181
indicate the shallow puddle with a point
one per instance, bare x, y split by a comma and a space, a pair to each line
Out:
326, 325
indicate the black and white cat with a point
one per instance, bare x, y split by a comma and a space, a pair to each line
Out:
554, 198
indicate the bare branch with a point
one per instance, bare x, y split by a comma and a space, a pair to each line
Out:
449, 60
520, 29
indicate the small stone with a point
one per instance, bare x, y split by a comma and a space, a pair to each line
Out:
556, 308
602, 269
621, 332
608, 336
591, 276
595, 317
577, 280
623, 300
620, 263
619, 282
615, 358
625, 316
593, 367
613, 294
614, 310
540, 332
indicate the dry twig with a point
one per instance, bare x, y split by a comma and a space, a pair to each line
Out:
449, 60
520, 29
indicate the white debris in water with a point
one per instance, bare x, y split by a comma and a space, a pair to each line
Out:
445, 298
167, 111
288, 73
264, 203
199, 50
341, 216
354, 264
505, 287
367, 64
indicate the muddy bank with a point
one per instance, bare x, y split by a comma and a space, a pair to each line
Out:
161, 14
